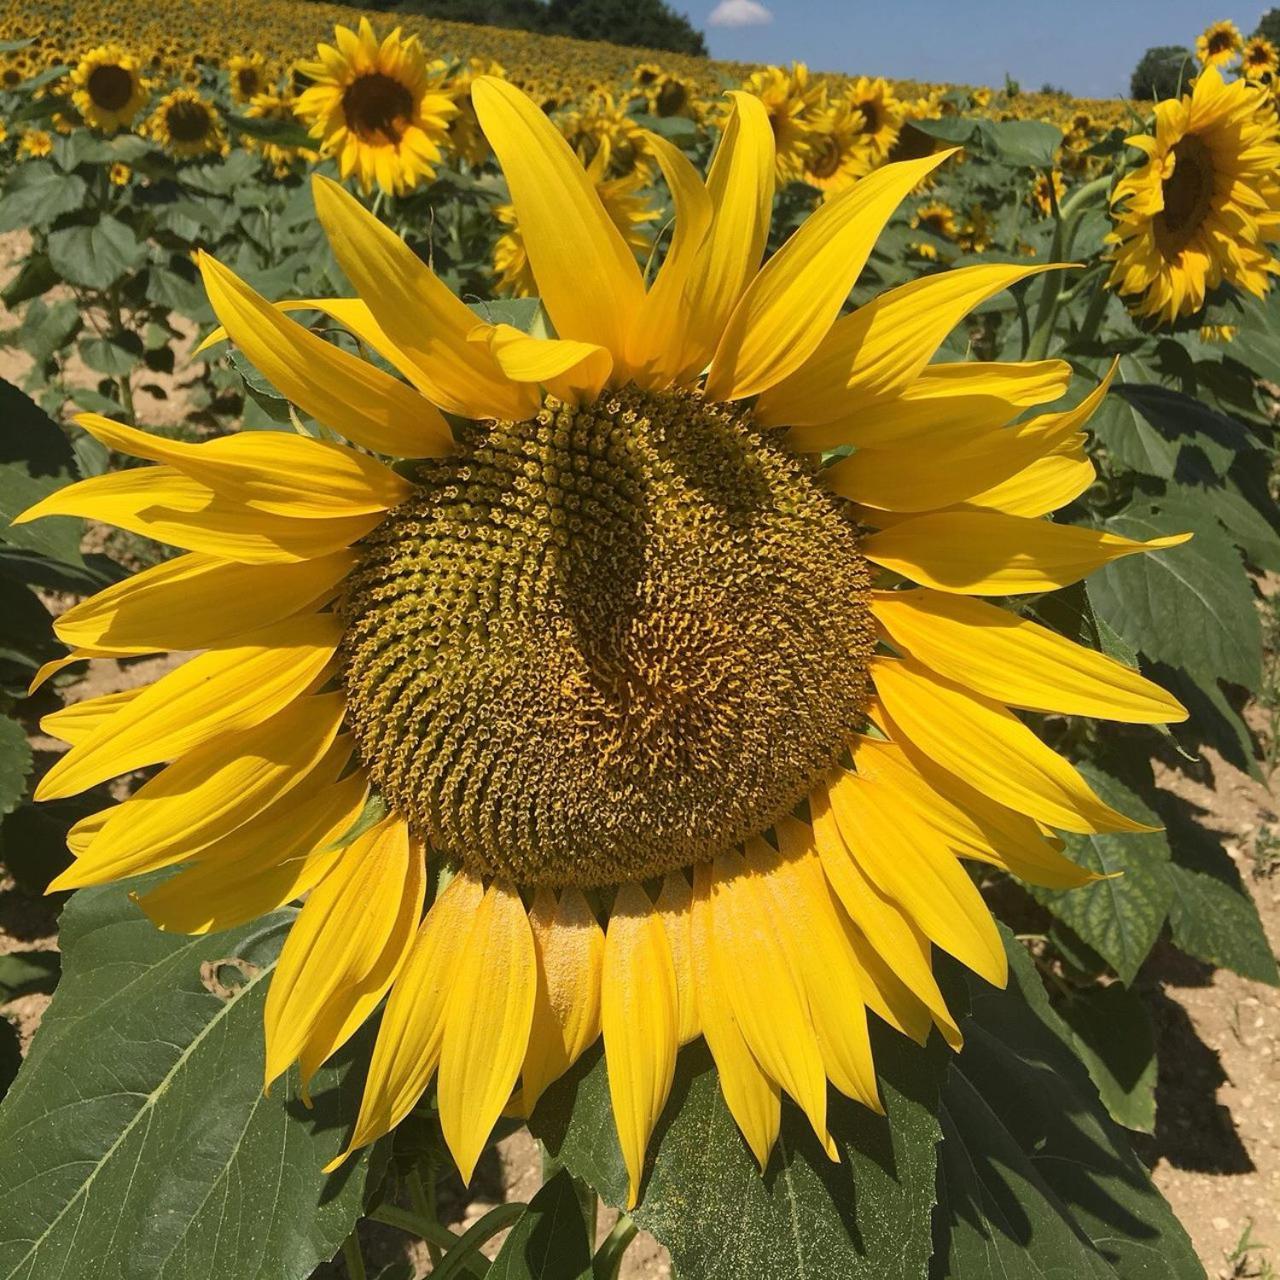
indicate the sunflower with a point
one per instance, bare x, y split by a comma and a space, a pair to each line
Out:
247, 74
35, 143
622, 200
1219, 44
108, 88
838, 154
187, 124
667, 727
938, 218
466, 139
603, 129
1218, 333
1259, 59
793, 105
882, 115
1204, 208
281, 107
380, 108
1047, 192
119, 174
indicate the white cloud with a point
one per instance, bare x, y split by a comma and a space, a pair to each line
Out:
739, 13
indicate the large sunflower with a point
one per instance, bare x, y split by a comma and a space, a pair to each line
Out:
1205, 207
677, 731
108, 88
379, 107
186, 124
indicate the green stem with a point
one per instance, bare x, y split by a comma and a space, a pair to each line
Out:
393, 1216
352, 1256
423, 1199
466, 1253
1093, 314
608, 1257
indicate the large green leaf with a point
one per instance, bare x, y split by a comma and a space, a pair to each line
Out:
1190, 606
15, 764
705, 1199
137, 1140
96, 257
1112, 1033
1120, 916
36, 194
1034, 1181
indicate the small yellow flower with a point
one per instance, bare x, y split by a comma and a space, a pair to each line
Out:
119, 174
1219, 44
35, 143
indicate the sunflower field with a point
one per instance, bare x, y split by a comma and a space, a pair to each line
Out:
652, 612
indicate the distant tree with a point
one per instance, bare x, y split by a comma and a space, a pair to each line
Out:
1053, 90
1162, 73
525, 15
1269, 26
651, 23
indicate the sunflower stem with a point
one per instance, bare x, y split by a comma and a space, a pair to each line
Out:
423, 1199
403, 1220
608, 1259
352, 1256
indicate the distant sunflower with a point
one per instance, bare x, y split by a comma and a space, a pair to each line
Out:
614, 679
466, 138
1219, 44
108, 88
247, 75
379, 107
186, 124
793, 103
119, 174
1258, 59
602, 123
1205, 207
882, 114
622, 199
35, 143
1047, 192
838, 154
281, 107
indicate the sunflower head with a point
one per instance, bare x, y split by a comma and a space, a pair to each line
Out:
186, 124
1259, 59
881, 111
247, 75
838, 153
793, 103
1219, 44
1204, 207
108, 89
606, 136
35, 143
1047, 192
683, 718
378, 106
119, 174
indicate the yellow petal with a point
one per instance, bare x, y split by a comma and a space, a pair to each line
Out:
220, 692
78, 721
740, 185
987, 553
753, 1099
801, 899
161, 503
569, 946
674, 904
1017, 661
355, 398
987, 746
587, 276
407, 1050
1044, 486
638, 1014
766, 993
344, 948
886, 925
272, 859
790, 306
877, 350
208, 793
909, 862
418, 312
945, 403
487, 1024
197, 601
573, 371
659, 345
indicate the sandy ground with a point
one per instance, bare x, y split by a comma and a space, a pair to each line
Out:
1216, 1150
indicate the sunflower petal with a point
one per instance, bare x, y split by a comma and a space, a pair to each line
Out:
674, 904
487, 1025
587, 277
78, 721
639, 1014
573, 371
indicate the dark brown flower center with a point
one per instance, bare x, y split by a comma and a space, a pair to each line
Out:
110, 87
1188, 192
377, 107
188, 121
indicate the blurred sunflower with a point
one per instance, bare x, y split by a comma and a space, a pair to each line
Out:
35, 143
108, 88
247, 75
792, 103
1258, 59
625, 204
602, 123
1205, 207
466, 139
1047, 192
939, 219
882, 115
1218, 44
119, 174
613, 675
281, 107
186, 124
379, 107
837, 155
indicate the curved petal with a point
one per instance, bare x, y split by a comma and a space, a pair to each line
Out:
573, 371
587, 277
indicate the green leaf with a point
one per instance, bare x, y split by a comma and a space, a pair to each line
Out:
550, 1240
116, 356
1029, 143
1189, 424
1034, 1180
24, 972
96, 257
37, 193
282, 133
1119, 917
1112, 1033
15, 764
1190, 606
705, 1199
137, 1137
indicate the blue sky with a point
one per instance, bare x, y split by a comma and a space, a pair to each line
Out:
1089, 47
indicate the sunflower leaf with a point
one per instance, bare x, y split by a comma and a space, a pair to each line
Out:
137, 1137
